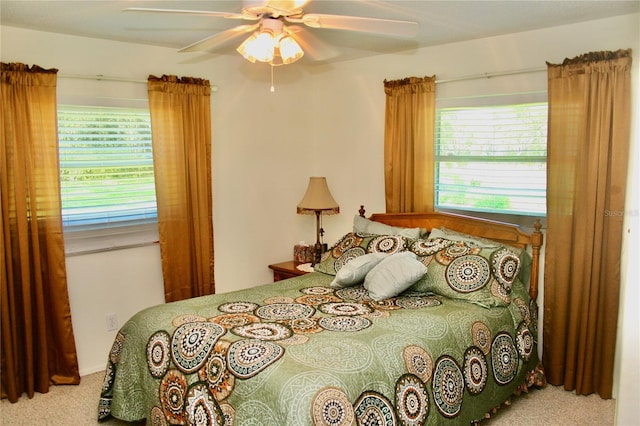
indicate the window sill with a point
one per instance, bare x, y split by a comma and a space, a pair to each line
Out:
79, 242
525, 221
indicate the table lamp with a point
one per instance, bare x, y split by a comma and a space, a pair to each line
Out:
318, 200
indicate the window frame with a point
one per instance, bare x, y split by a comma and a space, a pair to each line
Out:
520, 217
106, 235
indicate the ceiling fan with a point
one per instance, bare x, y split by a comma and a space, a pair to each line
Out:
274, 42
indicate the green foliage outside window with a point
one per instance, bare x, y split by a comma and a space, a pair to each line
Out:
106, 165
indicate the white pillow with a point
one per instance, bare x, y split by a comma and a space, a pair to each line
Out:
354, 271
393, 275
366, 226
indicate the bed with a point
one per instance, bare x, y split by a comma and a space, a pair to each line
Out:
368, 338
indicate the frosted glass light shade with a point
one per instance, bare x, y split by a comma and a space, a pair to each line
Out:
258, 47
290, 50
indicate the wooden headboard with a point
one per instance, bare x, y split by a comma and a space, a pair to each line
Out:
502, 232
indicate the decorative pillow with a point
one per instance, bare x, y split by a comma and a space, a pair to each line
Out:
464, 271
354, 245
355, 270
450, 234
365, 226
505, 266
393, 275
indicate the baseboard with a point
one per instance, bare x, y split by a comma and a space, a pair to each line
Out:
91, 370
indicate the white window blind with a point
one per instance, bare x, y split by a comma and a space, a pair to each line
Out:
106, 167
492, 158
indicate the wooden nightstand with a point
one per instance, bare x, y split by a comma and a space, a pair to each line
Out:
284, 270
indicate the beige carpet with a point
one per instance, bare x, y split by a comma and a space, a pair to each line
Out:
77, 406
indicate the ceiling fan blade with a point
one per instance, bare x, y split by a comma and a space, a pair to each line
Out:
317, 49
228, 15
218, 39
357, 23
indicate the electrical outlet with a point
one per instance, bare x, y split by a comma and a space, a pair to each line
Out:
112, 322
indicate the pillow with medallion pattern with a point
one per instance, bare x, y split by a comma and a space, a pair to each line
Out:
525, 257
463, 270
355, 244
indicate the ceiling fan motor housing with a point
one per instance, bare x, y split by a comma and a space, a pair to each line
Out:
272, 8
272, 24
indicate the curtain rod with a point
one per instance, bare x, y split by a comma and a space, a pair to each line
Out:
491, 75
100, 77
214, 88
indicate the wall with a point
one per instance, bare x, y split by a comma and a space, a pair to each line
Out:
628, 348
119, 281
326, 120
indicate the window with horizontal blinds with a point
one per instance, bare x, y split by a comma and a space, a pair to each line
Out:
106, 167
492, 158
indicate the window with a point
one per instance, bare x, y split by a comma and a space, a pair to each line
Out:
492, 159
106, 167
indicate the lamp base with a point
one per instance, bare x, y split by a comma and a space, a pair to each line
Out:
317, 253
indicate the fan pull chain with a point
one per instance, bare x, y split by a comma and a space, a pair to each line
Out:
273, 89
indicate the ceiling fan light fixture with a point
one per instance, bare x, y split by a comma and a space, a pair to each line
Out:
271, 44
290, 50
259, 46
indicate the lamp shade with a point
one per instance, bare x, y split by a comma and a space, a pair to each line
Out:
318, 198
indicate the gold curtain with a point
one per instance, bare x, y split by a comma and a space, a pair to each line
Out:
38, 346
588, 145
408, 144
181, 129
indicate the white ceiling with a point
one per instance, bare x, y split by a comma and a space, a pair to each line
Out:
439, 22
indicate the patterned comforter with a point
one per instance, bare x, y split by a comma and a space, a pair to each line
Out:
299, 352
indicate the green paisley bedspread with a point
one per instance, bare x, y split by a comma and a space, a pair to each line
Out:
299, 352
